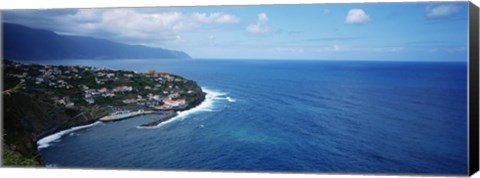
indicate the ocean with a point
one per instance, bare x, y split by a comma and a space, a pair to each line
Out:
288, 116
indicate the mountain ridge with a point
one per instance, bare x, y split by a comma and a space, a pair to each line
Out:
25, 43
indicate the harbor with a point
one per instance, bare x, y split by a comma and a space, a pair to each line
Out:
121, 115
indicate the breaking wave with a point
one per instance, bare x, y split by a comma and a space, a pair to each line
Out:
45, 141
208, 105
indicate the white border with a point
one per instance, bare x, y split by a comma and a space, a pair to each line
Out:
49, 4
52, 4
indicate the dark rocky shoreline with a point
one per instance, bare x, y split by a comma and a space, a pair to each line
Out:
89, 119
169, 114
163, 117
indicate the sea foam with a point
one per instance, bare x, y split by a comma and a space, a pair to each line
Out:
45, 141
231, 100
206, 106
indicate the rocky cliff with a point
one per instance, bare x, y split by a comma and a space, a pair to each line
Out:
27, 119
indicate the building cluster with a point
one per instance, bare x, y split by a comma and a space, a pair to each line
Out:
163, 94
52, 76
168, 98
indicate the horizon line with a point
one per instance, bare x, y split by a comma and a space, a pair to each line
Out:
320, 59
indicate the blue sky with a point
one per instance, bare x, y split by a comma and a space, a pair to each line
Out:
372, 31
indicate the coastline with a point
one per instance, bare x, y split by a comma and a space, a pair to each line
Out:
44, 142
163, 118
207, 98
44, 139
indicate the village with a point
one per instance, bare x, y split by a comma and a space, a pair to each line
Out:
84, 87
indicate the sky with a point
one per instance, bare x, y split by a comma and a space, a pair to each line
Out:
369, 31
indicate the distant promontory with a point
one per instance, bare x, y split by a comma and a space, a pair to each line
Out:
25, 43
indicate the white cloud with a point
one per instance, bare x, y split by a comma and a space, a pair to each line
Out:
260, 27
334, 48
342, 48
178, 39
85, 15
262, 18
356, 17
441, 11
146, 26
387, 49
215, 18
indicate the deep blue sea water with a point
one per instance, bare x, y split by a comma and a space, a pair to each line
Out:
290, 116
